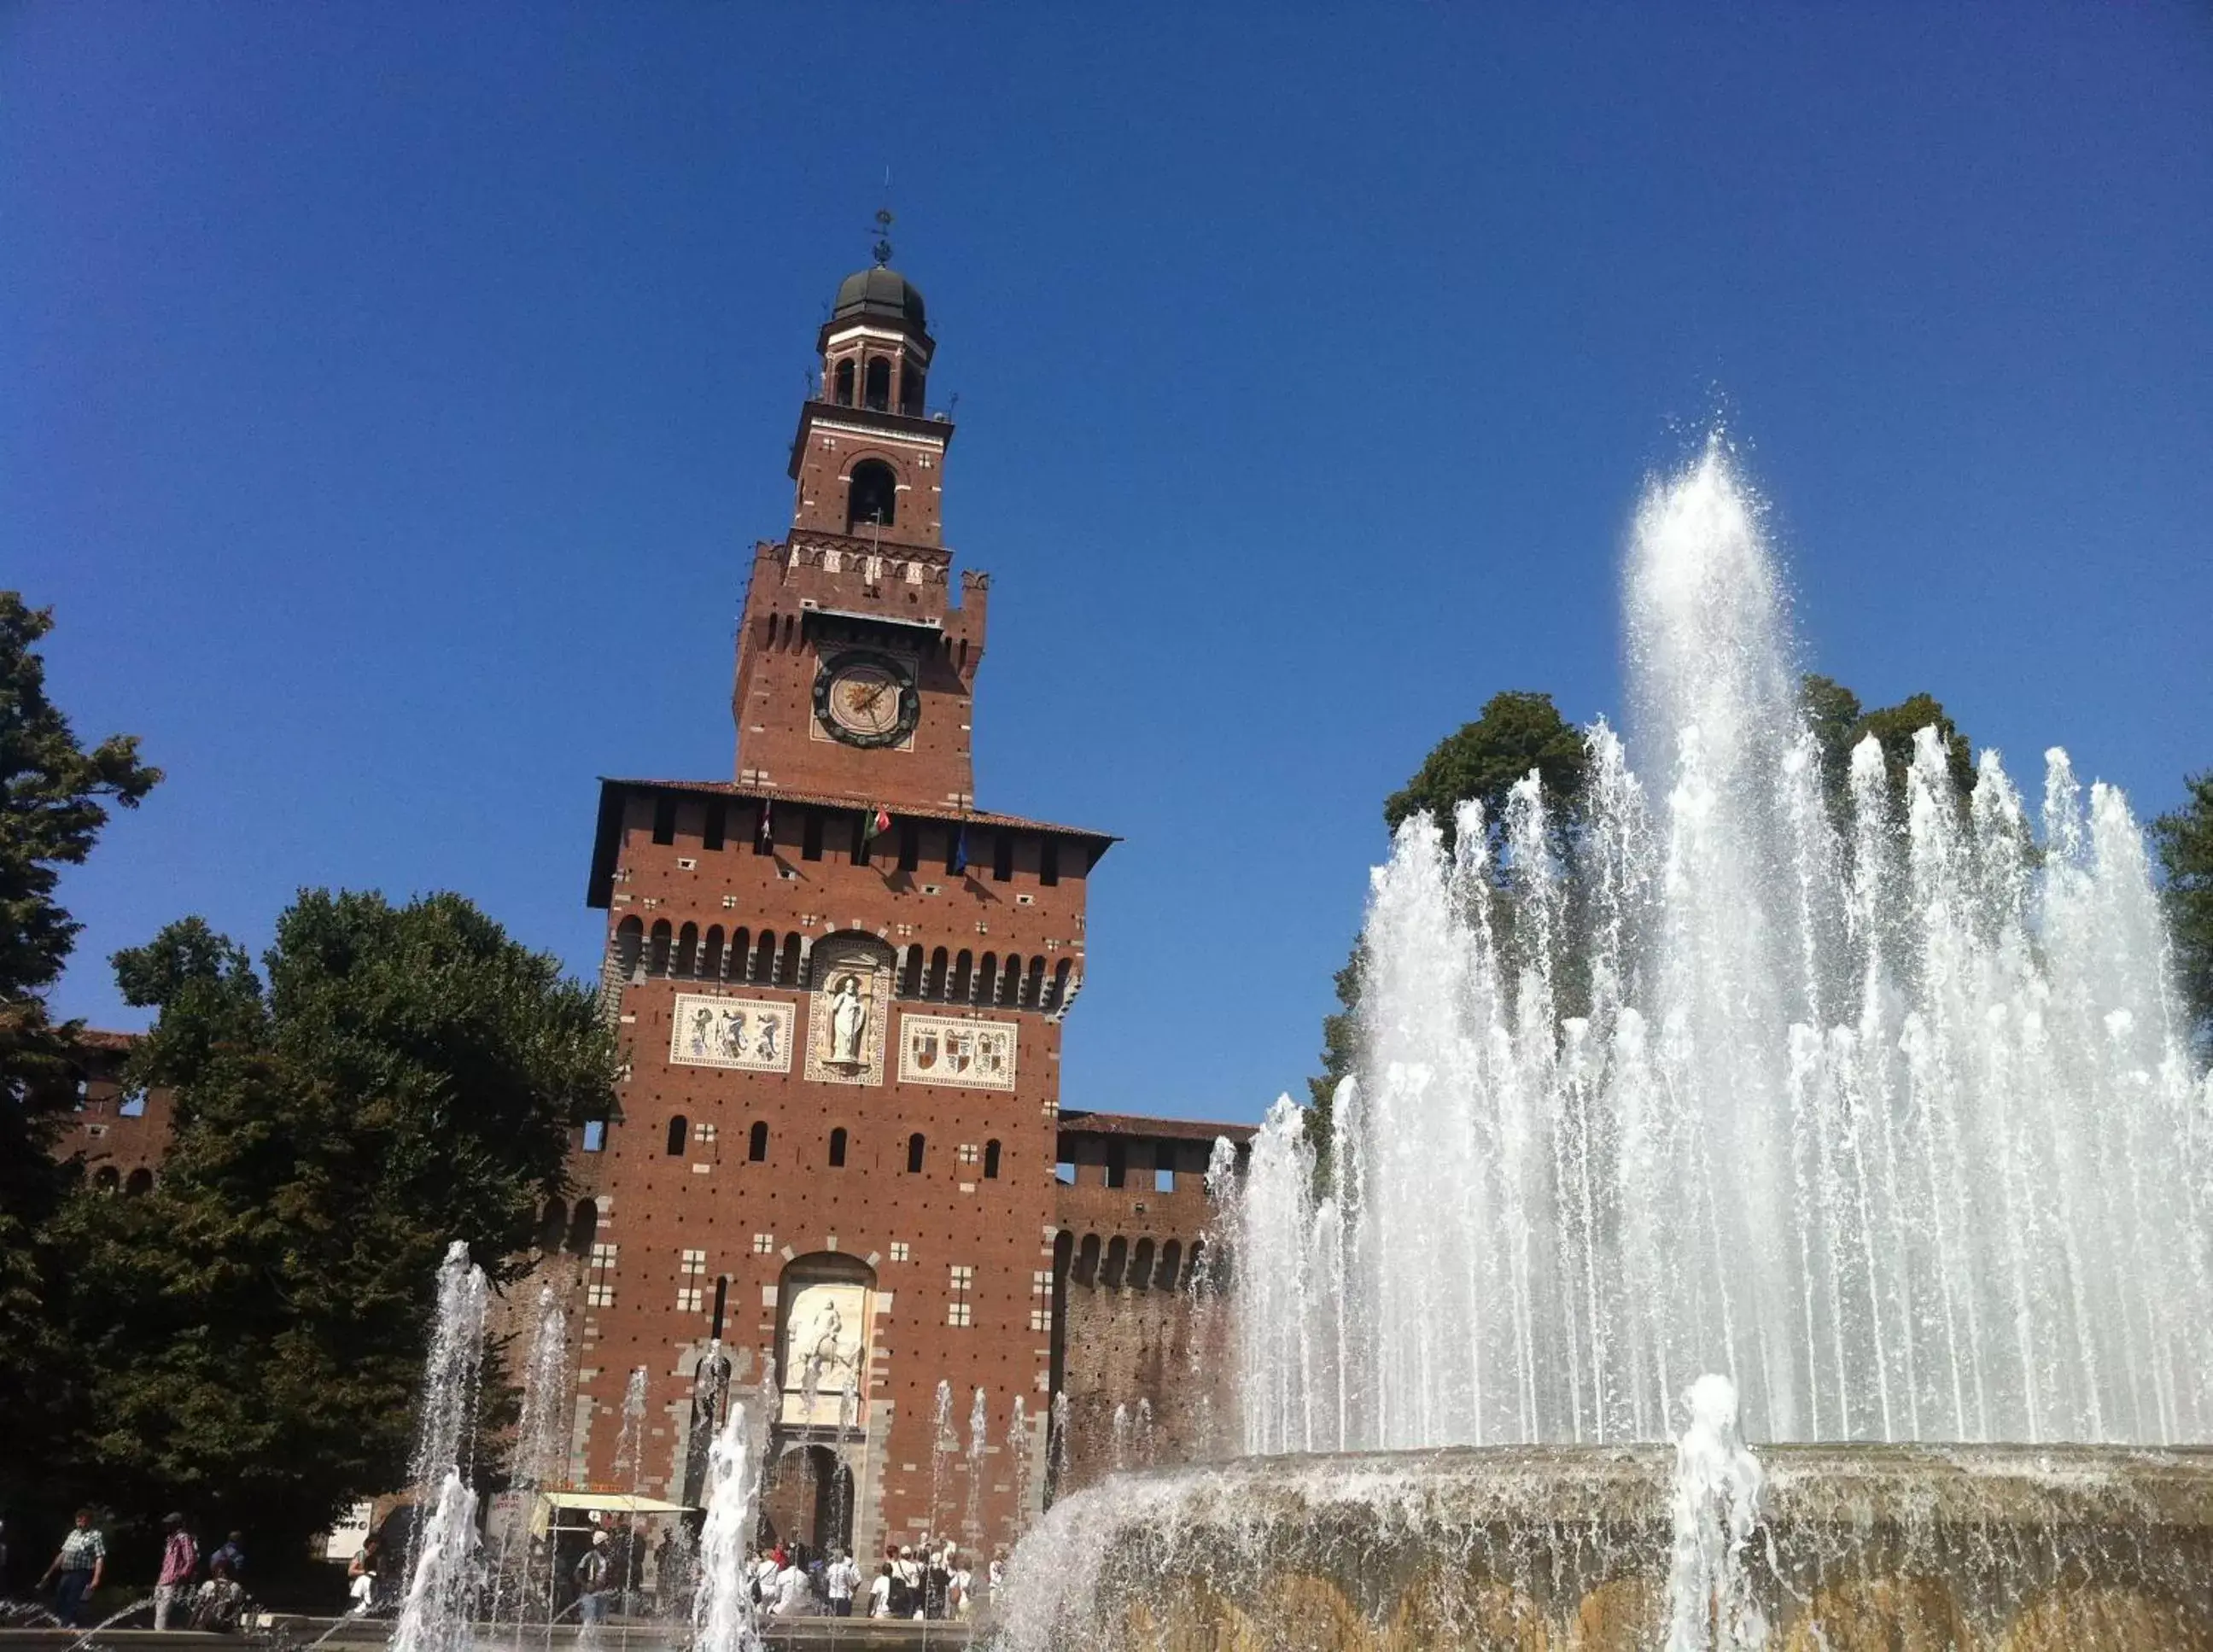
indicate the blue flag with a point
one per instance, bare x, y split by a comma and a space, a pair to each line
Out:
958, 862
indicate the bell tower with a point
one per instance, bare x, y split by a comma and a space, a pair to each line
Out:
858, 654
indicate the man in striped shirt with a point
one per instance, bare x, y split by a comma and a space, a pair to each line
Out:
180, 1557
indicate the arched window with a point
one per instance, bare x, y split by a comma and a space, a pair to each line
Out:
107, 1179
687, 949
710, 956
911, 383
915, 1147
680, 1131
551, 1223
1171, 1264
838, 1147
877, 390
1118, 1258
656, 957
787, 973
987, 976
1086, 1261
991, 1161
722, 1301
138, 1183
1010, 983
1196, 1275
1141, 1265
757, 1142
583, 1227
910, 974
845, 382
1034, 987
740, 955
1059, 998
1063, 1257
934, 987
630, 949
765, 958
871, 495
964, 969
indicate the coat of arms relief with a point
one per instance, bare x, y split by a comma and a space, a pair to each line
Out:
952, 1049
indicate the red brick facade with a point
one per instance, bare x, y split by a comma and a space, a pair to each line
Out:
839, 1129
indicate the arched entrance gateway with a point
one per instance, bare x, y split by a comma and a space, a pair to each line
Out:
819, 1444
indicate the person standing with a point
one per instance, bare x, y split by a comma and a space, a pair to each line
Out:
842, 1578
592, 1581
181, 1559
77, 1568
232, 1556
217, 1605
879, 1593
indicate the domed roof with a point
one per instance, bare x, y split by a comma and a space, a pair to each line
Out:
880, 292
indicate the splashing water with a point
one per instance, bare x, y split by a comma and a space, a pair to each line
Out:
980, 1426
1847, 1086
540, 1446
630, 1439
441, 1566
1019, 1449
1714, 1508
723, 1617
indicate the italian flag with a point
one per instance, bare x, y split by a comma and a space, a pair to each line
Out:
875, 823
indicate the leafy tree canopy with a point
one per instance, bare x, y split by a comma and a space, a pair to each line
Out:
54, 798
1516, 732
1839, 723
2184, 839
256, 1324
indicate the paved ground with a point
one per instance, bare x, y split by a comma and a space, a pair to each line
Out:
858, 1633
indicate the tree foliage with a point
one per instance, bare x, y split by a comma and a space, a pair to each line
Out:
1520, 731
1517, 732
1839, 723
2184, 840
54, 799
255, 1325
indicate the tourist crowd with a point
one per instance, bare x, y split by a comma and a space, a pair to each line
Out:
209, 1602
929, 1580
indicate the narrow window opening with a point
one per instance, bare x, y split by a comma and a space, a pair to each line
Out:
810, 842
1064, 1172
862, 844
722, 1300
1141, 1265
630, 949
1164, 1180
991, 1161
679, 1132
132, 1106
845, 382
910, 974
936, 987
1049, 863
1118, 1164
583, 1227
1118, 1258
909, 846
915, 1146
664, 820
764, 830
837, 1149
710, 954
1002, 856
787, 973
911, 383
687, 949
595, 1135
877, 392
963, 968
718, 825
871, 495
757, 1142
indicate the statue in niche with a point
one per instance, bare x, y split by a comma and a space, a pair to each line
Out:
848, 1023
825, 1346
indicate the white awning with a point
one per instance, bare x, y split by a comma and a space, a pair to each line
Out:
612, 1503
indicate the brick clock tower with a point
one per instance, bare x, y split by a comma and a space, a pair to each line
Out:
841, 988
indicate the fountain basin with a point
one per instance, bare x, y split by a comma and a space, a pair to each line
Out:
1537, 1549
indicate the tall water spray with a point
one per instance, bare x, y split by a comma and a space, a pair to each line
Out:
1853, 1088
722, 1615
441, 1560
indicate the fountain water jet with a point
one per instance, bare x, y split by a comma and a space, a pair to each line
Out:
1841, 1085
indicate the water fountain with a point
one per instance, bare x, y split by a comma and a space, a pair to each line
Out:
441, 1548
1846, 1100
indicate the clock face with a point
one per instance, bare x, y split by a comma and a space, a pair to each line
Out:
866, 699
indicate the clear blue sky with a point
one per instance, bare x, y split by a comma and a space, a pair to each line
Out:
392, 394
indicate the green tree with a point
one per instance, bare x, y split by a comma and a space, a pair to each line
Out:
256, 1324
1839, 723
1516, 732
2184, 839
54, 800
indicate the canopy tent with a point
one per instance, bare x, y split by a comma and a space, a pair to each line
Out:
546, 1508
